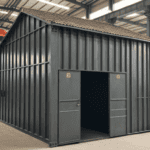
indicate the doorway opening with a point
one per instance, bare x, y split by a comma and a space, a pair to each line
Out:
94, 106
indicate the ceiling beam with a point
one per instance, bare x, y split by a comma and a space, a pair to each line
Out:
74, 11
77, 3
4, 28
131, 22
3, 20
88, 3
92, 2
125, 11
11, 9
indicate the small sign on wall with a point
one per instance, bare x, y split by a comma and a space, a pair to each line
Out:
68, 75
118, 76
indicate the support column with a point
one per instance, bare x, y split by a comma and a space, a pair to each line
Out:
88, 11
111, 2
148, 25
147, 13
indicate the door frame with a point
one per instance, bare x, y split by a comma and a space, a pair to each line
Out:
109, 96
80, 95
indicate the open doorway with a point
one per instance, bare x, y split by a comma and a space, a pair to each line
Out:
94, 106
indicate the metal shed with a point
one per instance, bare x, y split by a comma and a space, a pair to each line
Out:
63, 75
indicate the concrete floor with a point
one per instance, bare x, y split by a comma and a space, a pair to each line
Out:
89, 135
13, 139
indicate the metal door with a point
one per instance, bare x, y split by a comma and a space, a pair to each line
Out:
69, 107
117, 104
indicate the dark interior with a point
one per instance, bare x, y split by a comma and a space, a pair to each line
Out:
94, 105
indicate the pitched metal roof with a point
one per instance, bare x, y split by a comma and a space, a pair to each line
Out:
84, 24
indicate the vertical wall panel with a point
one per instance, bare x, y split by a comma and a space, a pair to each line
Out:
53, 103
22, 98
144, 87
96, 52
73, 49
9, 98
123, 55
37, 90
66, 47
31, 36
148, 58
14, 83
10, 94
7, 89
111, 54
60, 39
147, 85
48, 80
2, 80
81, 50
48, 77
46, 83
27, 76
128, 56
89, 51
18, 31
139, 100
18, 82
43, 82
105, 53
0, 85
117, 46
5, 74
134, 86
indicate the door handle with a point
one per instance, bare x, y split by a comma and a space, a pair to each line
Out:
78, 104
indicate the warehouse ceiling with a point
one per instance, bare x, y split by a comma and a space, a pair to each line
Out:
134, 20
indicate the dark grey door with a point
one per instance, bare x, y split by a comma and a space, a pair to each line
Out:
69, 107
117, 97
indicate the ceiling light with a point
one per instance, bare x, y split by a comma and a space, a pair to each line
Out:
3, 12
14, 15
61, 6
124, 3
133, 15
116, 6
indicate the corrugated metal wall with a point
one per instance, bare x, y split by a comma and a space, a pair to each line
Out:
24, 67
80, 50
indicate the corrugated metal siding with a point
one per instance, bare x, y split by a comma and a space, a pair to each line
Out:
85, 51
25, 105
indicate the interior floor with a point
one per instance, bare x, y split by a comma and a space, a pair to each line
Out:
90, 135
94, 106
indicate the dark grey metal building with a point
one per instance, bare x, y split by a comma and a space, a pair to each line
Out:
62, 75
